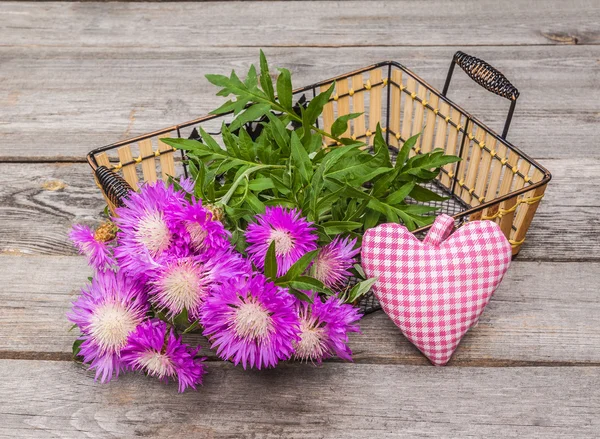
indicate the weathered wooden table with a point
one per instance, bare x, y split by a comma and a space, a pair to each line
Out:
78, 75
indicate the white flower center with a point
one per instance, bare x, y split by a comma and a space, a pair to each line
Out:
284, 243
197, 234
321, 268
157, 364
312, 344
153, 233
110, 326
252, 321
182, 286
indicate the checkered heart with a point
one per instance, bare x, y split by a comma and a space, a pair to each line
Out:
436, 290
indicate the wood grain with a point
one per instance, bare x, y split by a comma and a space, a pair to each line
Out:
226, 24
542, 314
57, 399
57, 103
40, 202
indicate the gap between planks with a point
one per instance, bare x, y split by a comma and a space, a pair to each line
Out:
393, 360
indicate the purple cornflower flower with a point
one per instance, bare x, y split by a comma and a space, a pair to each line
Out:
147, 230
187, 184
324, 328
204, 234
95, 245
156, 350
333, 262
250, 321
106, 313
182, 282
293, 236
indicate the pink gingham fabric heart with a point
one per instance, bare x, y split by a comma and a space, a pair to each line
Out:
435, 290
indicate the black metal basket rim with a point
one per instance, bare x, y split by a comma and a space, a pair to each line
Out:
546, 178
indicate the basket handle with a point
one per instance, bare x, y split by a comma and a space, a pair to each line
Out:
488, 77
115, 187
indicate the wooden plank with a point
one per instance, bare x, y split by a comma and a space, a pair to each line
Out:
541, 314
328, 113
375, 104
129, 171
322, 24
395, 107
95, 100
343, 102
358, 105
167, 164
58, 399
40, 202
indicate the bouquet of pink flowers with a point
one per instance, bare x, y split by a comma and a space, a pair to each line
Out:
256, 251
166, 267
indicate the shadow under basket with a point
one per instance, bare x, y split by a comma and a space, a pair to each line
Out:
493, 181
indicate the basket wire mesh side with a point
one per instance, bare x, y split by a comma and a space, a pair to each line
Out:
494, 180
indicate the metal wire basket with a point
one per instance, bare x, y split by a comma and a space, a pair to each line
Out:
493, 181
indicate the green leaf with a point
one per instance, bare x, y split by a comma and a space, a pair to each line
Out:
358, 170
419, 193
280, 134
315, 107
182, 319
233, 85
416, 209
238, 179
301, 159
251, 114
405, 150
307, 283
227, 107
298, 268
218, 80
360, 289
255, 204
340, 125
381, 148
337, 227
422, 221
281, 202
359, 270
371, 219
336, 154
300, 295
265, 77
192, 327
284, 89
399, 195
271, 262
261, 184
77, 347
251, 79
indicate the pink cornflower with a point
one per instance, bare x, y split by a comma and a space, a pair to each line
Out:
293, 236
154, 349
95, 245
333, 262
324, 328
182, 282
201, 230
146, 228
107, 312
250, 321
